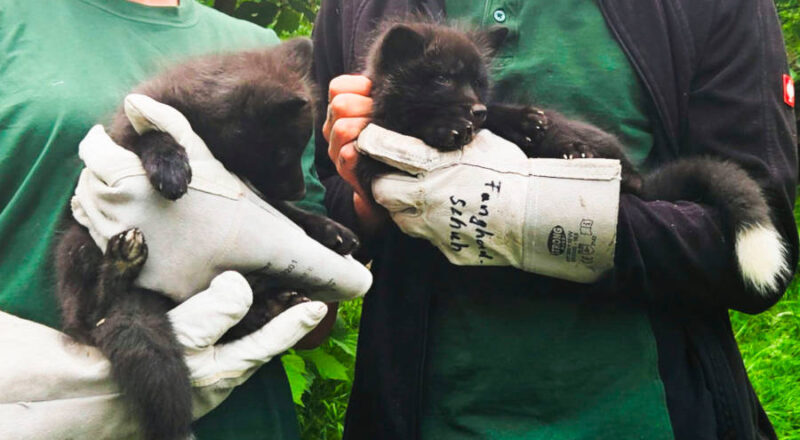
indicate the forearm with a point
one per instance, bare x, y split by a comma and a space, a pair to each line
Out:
677, 254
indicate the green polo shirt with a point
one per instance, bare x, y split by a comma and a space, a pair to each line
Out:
64, 66
504, 361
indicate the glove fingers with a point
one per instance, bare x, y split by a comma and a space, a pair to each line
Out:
277, 336
147, 114
202, 319
402, 152
398, 193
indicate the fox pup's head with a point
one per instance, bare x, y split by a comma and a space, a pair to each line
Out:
432, 81
259, 120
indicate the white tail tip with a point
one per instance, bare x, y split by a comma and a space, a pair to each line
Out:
762, 258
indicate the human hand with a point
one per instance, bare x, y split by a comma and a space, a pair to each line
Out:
216, 368
489, 205
219, 224
349, 111
52, 384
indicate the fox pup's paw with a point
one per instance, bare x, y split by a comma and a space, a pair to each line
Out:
170, 174
127, 251
527, 128
166, 164
523, 125
333, 236
577, 150
277, 303
449, 134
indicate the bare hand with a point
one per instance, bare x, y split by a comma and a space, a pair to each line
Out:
349, 111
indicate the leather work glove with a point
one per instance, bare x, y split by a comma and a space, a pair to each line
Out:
489, 205
54, 388
219, 224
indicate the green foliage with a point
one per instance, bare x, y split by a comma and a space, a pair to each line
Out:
321, 378
770, 346
288, 18
789, 13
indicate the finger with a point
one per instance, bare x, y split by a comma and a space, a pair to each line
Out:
399, 193
344, 131
346, 166
275, 337
347, 105
202, 319
358, 84
147, 114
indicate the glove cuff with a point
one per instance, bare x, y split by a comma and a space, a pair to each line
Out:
570, 225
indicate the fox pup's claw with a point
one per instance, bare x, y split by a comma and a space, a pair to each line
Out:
127, 251
578, 150
334, 236
279, 302
449, 134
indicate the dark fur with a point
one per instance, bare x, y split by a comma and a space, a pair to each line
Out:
253, 110
428, 79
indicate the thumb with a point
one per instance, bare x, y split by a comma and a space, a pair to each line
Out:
399, 193
146, 114
275, 337
202, 319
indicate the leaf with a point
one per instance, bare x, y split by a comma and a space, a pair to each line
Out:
304, 9
287, 21
327, 366
260, 13
299, 379
347, 344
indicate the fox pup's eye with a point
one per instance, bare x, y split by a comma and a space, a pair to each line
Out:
443, 79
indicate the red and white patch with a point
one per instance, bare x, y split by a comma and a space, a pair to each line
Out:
788, 90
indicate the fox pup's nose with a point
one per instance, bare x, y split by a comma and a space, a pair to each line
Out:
478, 111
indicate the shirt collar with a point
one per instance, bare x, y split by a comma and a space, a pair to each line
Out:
185, 14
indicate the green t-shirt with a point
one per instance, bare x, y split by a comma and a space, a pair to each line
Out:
504, 361
64, 66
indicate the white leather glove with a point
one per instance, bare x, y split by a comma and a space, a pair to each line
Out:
54, 388
219, 224
489, 205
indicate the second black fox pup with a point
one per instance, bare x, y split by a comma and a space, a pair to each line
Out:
432, 81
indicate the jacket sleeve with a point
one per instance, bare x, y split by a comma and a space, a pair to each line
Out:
329, 63
677, 252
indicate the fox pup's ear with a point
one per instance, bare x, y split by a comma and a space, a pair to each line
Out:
302, 53
400, 44
491, 38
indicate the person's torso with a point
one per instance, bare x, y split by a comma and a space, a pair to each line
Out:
505, 359
66, 66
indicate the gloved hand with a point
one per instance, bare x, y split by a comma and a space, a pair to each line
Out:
52, 387
489, 205
219, 224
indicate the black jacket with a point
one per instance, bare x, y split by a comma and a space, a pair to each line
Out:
713, 70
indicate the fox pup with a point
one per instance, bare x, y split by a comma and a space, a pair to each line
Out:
432, 81
253, 110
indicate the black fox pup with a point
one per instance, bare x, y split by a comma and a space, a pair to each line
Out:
254, 111
432, 82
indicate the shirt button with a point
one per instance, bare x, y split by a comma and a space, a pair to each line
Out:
500, 16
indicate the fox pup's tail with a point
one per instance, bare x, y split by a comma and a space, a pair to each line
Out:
147, 363
137, 337
761, 253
